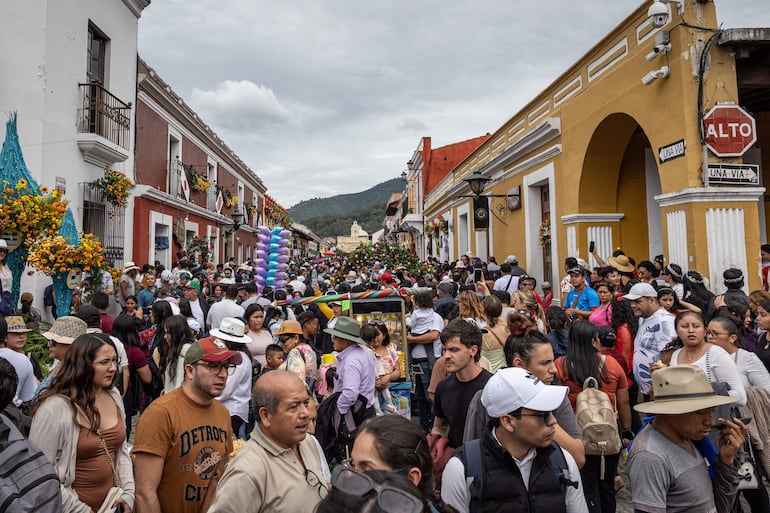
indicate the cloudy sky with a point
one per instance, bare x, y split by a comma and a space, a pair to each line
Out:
323, 97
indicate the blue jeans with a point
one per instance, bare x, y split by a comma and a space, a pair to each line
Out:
421, 372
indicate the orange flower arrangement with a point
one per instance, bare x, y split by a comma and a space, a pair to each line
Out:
57, 255
115, 186
31, 213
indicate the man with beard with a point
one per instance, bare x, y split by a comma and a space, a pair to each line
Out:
183, 439
280, 468
461, 341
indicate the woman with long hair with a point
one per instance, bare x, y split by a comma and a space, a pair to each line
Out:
581, 362
470, 307
695, 292
673, 276
386, 366
602, 316
625, 324
698, 350
524, 299
493, 341
79, 424
152, 337
133, 309
260, 337
763, 342
393, 443
124, 329
670, 301
177, 338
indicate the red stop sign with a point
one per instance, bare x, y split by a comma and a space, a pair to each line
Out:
729, 130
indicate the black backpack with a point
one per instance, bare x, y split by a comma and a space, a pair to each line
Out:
474, 468
27, 479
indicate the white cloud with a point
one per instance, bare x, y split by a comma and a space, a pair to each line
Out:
320, 98
239, 105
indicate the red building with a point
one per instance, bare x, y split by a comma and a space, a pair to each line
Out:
188, 182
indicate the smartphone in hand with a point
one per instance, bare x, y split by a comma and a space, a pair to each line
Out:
478, 275
591, 247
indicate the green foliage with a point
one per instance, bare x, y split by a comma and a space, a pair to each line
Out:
38, 345
343, 204
391, 256
370, 218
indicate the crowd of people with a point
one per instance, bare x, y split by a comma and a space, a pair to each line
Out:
206, 393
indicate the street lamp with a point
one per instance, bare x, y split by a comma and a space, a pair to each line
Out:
476, 181
403, 175
237, 218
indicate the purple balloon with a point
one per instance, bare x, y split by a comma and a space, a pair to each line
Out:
264, 229
259, 279
259, 262
283, 251
261, 254
279, 284
284, 233
282, 258
283, 267
281, 275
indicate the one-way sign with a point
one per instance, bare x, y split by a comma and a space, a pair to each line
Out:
672, 151
734, 174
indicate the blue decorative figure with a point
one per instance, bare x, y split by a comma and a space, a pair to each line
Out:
61, 285
13, 169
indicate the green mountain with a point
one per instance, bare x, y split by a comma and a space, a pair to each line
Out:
370, 217
345, 204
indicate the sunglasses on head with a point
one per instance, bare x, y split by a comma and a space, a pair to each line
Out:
377, 322
349, 480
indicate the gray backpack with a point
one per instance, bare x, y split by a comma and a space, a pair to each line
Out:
27, 479
596, 419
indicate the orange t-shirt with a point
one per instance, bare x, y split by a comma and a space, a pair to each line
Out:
612, 379
193, 439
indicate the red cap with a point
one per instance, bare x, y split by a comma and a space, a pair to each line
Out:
386, 277
210, 350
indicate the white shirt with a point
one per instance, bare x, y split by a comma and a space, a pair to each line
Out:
235, 397
418, 351
297, 285
753, 372
25, 390
719, 367
507, 283
455, 488
225, 308
197, 312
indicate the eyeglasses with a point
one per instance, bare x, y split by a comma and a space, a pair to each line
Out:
312, 479
216, 368
108, 362
545, 415
393, 500
52, 343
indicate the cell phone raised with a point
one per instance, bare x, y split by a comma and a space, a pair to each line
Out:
591, 247
478, 275
746, 421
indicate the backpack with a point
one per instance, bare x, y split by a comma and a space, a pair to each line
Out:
6, 302
27, 479
596, 419
474, 468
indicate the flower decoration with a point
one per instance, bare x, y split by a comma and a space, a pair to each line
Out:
544, 234
430, 229
201, 246
58, 255
30, 213
115, 274
198, 181
231, 200
115, 187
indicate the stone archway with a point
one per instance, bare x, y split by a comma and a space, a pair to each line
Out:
620, 176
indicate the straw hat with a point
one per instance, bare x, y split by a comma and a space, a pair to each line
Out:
621, 263
66, 329
682, 389
347, 328
289, 327
16, 324
232, 330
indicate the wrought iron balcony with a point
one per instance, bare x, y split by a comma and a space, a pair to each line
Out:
102, 113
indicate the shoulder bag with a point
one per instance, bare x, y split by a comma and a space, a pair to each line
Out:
116, 492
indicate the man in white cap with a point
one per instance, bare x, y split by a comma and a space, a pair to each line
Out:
516, 270
519, 468
656, 329
667, 465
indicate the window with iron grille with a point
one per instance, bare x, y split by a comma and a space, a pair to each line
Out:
107, 222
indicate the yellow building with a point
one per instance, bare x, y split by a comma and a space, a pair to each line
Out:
357, 236
607, 158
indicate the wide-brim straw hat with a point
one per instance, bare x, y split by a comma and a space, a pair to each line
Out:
621, 263
681, 389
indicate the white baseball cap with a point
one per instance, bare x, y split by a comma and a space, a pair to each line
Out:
641, 290
512, 388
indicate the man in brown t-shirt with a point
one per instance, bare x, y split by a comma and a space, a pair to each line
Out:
184, 438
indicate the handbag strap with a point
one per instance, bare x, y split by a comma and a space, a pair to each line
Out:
115, 477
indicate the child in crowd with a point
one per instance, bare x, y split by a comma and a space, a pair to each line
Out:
421, 319
273, 356
668, 300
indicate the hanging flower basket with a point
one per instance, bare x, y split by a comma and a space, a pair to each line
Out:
231, 200
430, 229
199, 245
443, 225
544, 235
58, 255
114, 186
198, 181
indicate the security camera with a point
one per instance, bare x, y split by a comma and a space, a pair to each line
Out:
658, 14
652, 76
658, 50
